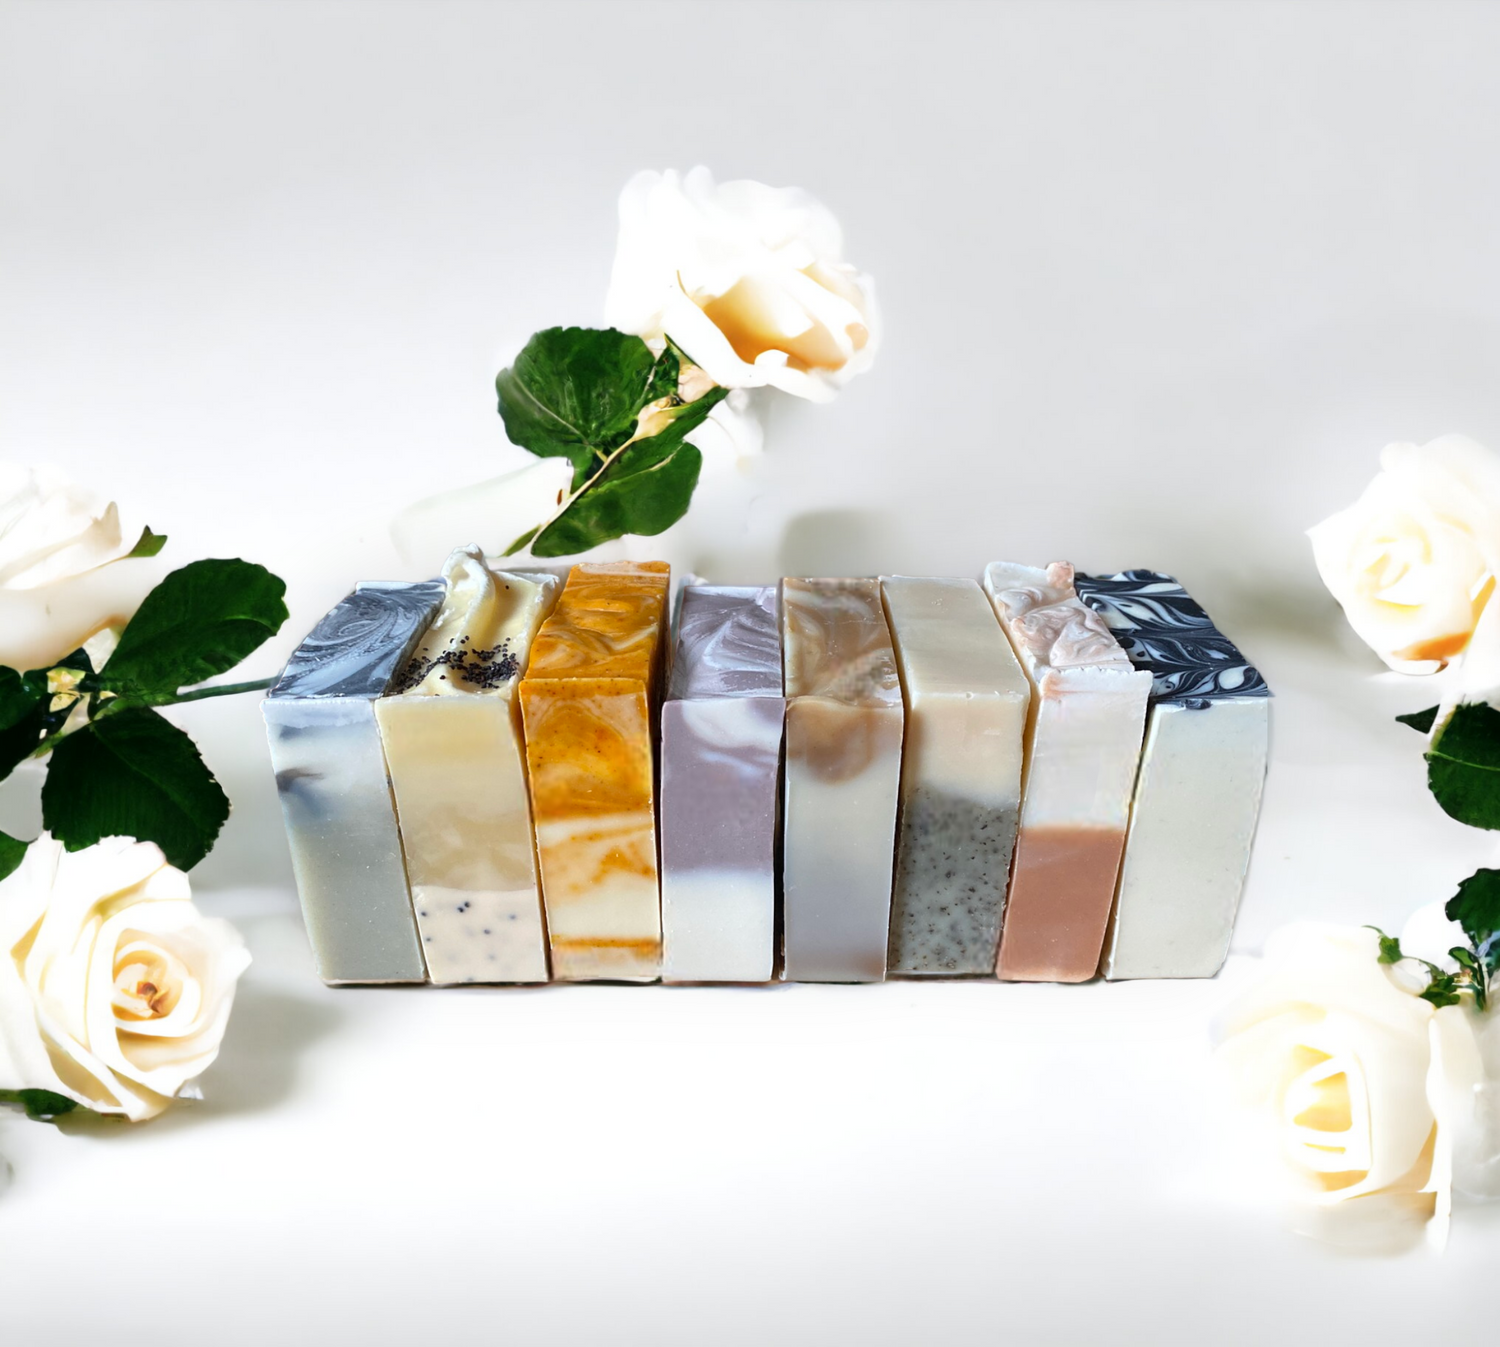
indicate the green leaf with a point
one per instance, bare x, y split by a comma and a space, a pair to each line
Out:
1419, 720
12, 853
148, 544
521, 541
22, 714
1442, 991
40, 1105
645, 490
1390, 946
1463, 765
133, 774
200, 621
1476, 908
575, 393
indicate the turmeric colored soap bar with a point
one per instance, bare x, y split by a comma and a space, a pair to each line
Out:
588, 702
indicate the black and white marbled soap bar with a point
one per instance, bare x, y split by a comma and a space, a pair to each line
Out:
334, 787
1197, 797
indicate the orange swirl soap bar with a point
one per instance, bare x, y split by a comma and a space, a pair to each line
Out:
588, 702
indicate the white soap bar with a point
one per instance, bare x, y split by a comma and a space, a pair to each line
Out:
452, 735
966, 701
842, 780
335, 793
1088, 712
720, 761
1197, 798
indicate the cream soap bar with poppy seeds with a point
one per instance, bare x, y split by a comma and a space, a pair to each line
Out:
721, 729
451, 728
589, 701
1197, 797
1088, 711
842, 779
966, 701
335, 792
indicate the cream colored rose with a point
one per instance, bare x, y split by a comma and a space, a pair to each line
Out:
1414, 560
1354, 1081
748, 280
114, 988
65, 578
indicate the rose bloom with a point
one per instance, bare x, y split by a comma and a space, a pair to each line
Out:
65, 578
748, 280
114, 988
1414, 560
1359, 1088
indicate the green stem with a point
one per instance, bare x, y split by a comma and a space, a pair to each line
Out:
104, 708
198, 694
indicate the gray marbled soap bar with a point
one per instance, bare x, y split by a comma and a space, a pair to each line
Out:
721, 733
1198, 792
335, 791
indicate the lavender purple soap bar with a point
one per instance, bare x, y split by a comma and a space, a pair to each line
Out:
721, 731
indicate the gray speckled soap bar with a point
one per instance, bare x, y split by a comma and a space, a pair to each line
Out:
966, 702
720, 754
334, 788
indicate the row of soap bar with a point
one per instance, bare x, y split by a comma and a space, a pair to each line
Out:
496, 777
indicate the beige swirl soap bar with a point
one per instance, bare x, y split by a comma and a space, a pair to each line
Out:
588, 701
1083, 742
843, 775
452, 736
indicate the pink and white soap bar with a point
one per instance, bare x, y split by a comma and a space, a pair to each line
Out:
1088, 711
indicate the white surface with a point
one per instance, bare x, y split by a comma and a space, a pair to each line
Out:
1159, 281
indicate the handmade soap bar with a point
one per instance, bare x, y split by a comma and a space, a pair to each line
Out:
966, 700
843, 775
335, 794
589, 700
452, 735
1088, 711
1197, 796
720, 758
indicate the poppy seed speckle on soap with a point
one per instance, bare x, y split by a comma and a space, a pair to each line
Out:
480, 669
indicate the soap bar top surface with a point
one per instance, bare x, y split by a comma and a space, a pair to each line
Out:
480, 639
728, 643
607, 624
1064, 643
949, 641
362, 642
838, 645
1165, 632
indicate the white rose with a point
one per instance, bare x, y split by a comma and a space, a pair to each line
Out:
1355, 1082
748, 280
114, 988
65, 578
1414, 560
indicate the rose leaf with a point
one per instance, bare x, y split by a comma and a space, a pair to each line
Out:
22, 718
12, 853
1476, 908
200, 621
40, 1105
1390, 946
1420, 721
148, 544
646, 489
133, 774
1442, 991
1463, 765
575, 393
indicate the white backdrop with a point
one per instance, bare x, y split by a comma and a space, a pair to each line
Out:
1159, 280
